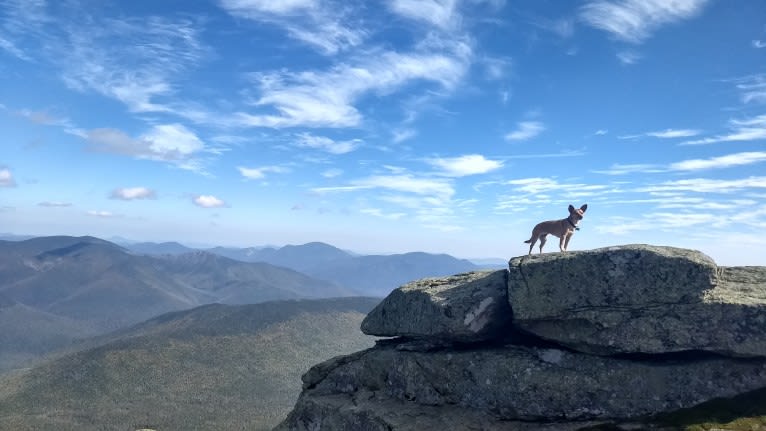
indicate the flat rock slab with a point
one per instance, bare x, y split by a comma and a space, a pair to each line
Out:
532, 384
370, 411
640, 299
466, 307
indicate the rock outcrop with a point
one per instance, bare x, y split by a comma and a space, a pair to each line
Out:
462, 308
560, 341
640, 299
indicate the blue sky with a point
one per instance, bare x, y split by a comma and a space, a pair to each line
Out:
389, 126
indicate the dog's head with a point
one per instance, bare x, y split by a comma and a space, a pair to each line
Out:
577, 213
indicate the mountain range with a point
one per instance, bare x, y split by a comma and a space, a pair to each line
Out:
57, 290
216, 366
374, 275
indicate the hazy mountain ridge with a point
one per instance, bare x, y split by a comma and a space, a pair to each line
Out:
373, 275
212, 367
104, 286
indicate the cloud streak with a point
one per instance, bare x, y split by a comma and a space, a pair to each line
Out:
634, 21
471, 164
720, 162
133, 193
525, 130
6, 178
208, 201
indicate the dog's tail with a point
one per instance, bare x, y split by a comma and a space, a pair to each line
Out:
528, 241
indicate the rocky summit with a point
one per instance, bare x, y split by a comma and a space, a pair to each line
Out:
613, 337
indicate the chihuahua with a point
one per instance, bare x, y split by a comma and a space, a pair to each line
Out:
562, 229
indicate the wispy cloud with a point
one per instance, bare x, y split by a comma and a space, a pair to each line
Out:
307, 140
326, 99
738, 159
720, 162
172, 143
260, 172
325, 25
102, 214
440, 188
525, 130
6, 178
461, 166
133, 193
401, 135
758, 44
707, 185
138, 71
378, 212
634, 21
54, 204
674, 133
600, 132
439, 13
332, 173
749, 129
628, 57
752, 87
208, 201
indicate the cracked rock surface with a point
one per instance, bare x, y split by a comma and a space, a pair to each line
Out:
640, 299
513, 383
461, 308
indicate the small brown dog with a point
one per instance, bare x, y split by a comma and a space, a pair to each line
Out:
562, 229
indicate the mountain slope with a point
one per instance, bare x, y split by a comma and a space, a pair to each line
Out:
214, 367
64, 288
374, 275
379, 275
153, 248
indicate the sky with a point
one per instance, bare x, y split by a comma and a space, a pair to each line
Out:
445, 126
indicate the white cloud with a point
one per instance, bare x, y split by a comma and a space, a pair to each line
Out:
720, 162
470, 164
6, 178
377, 212
749, 129
307, 140
705, 185
622, 169
674, 133
441, 189
332, 173
628, 57
259, 173
326, 99
539, 185
401, 135
102, 214
139, 70
133, 193
54, 204
758, 44
601, 132
752, 87
526, 130
634, 21
166, 142
439, 13
326, 26
208, 201
729, 160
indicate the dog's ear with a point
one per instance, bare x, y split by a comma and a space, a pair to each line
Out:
584, 208
571, 208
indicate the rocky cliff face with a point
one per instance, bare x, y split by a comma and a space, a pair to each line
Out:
559, 341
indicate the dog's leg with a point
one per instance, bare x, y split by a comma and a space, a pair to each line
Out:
543, 238
532, 242
562, 240
566, 243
